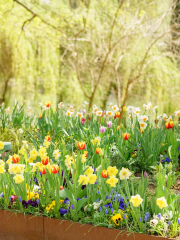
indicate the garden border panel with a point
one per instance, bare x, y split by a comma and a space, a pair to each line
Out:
17, 226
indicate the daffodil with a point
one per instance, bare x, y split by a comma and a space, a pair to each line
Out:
1, 145
112, 171
92, 178
83, 179
161, 202
56, 154
136, 200
124, 173
112, 181
89, 171
18, 178
2, 170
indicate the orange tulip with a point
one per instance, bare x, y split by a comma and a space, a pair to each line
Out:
40, 116
169, 124
47, 138
15, 158
97, 150
48, 104
104, 173
61, 187
45, 160
126, 136
117, 114
82, 145
43, 170
85, 153
55, 169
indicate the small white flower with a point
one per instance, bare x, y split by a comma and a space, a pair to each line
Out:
153, 222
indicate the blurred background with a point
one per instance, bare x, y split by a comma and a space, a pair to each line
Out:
101, 51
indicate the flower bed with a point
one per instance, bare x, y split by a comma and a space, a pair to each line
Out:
17, 226
93, 169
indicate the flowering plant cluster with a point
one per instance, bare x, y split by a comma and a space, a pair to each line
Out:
82, 166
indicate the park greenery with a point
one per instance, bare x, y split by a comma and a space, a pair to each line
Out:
125, 51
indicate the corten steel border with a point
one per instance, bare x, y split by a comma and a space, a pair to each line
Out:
17, 226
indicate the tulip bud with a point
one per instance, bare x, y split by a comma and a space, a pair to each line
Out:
145, 174
61, 187
170, 166
101, 152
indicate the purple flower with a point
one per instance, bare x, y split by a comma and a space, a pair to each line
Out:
66, 200
108, 205
109, 124
145, 218
102, 129
62, 211
106, 211
112, 210
159, 216
169, 223
167, 160
140, 219
178, 220
4, 154
100, 209
20, 198
9, 199
37, 201
124, 216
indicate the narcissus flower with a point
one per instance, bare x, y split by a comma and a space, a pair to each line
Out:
79, 114
112, 181
136, 200
18, 178
143, 125
92, 178
99, 113
83, 160
109, 113
45, 160
46, 143
69, 113
83, 179
89, 171
81, 145
1, 145
15, 158
169, 124
56, 154
112, 171
115, 108
126, 136
161, 202
60, 105
105, 174
124, 173
2, 170
54, 168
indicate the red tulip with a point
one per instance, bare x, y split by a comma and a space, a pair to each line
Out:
104, 173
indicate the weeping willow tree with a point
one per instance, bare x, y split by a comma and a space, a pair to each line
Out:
87, 50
